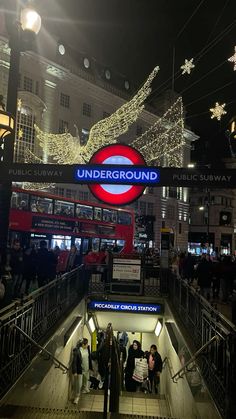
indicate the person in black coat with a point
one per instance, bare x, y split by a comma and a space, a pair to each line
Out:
135, 351
73, 260
154, 367
45, 264
81, 364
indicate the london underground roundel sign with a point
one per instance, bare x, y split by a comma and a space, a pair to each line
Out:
117, 194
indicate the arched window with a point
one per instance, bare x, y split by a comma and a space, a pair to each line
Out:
25, 133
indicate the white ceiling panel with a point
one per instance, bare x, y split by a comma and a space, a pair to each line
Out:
127, 321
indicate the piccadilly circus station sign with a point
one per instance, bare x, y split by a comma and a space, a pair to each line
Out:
118, 164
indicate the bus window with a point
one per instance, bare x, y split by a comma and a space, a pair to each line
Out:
20, 200
84, 211
124, 218
95, 244
78, 243
108, 243
120, 244
63, 242
109, 215
41, 204
97, 213
64, 208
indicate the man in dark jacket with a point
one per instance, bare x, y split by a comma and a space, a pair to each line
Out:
204, 276
45, 264
81, 364
154, 367
15, 260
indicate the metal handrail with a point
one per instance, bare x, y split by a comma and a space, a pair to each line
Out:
166, 360
184, 369
58, 364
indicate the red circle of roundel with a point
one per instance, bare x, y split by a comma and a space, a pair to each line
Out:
114, 150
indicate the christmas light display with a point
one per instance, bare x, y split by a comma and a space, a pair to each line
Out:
218, 111
162, 143
187, 66
233, 58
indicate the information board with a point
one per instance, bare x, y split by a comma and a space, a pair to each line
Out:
125, 269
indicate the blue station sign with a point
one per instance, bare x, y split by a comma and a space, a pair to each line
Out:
124, 306
122, 174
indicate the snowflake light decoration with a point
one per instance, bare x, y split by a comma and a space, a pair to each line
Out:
218, 111
187, 66
233, 59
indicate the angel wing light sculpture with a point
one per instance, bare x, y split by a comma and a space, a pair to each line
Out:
163, 139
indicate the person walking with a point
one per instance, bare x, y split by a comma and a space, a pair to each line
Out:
45, 264
134, 352
154, 368
29, 273
204, 276
81, 364
73, 259
15, 261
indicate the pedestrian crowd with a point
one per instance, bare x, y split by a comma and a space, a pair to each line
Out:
142, 369
213, 277
23, 271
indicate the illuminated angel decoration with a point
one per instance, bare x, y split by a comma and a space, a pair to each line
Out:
161, 144
66, 149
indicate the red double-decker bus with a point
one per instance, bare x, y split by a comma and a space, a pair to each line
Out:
62, 222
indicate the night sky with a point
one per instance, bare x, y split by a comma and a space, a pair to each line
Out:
132, 36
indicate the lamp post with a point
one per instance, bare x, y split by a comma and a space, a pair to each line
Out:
207, 208
20, 35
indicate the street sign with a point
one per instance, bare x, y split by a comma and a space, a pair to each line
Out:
161, 176
114, 191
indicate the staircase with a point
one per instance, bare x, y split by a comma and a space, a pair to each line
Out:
132, 405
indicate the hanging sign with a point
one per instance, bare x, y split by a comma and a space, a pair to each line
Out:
115, 193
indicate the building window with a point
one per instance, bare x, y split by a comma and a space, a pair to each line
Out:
59, 191
25, 133
83, 195
87, 109
84, 136
63, 126
106, 114
150, 208
163, 224
65, 100
28, 84
139, 130
70, 193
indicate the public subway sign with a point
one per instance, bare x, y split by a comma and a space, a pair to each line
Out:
138, 175
124, 306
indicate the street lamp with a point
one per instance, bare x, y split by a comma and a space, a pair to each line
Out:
206, 207
20, 34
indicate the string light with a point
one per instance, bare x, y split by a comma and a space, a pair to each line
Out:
65, 149
233, 58
162, 143
218, 111
30, 157
187, 66
109, 129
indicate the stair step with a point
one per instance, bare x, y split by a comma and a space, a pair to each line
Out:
24, 412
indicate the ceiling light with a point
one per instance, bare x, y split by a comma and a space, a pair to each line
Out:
91, 325
107, 74
158, 328
86, 62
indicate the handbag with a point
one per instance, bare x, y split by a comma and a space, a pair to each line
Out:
140, 370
